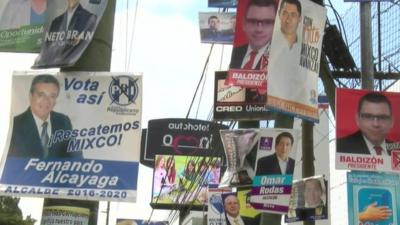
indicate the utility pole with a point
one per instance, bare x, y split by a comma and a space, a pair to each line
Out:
97, 57
367, 66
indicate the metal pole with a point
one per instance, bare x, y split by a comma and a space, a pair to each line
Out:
97, 57
367, 68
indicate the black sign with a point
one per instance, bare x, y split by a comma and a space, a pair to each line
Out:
183, 137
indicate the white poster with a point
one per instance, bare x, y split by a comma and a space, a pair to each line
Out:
73, 135
294, 60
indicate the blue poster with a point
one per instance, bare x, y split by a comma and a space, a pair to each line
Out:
73, 135
373, 198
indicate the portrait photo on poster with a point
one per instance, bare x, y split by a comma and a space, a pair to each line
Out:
69, 29
233, 210
218, 28
367, 124
276, 153
309, 200
254, 26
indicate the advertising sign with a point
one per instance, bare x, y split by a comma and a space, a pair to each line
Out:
295, 58
367, 125
139, 222
309, 200
216, 211
218, 28
373, 198
272, 184
183, 180
230, 102
22, 25
70, 27
189, 137
222, 3
73, 135
65, 215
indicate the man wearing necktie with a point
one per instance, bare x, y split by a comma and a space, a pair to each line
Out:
257, 25
67, 37
33, 129
232, 211
374, 119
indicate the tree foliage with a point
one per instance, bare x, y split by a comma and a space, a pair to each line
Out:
10, 213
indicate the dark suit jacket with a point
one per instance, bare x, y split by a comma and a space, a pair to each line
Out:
246, 220
237, 57
68, 50
353, 143
25, 139
269, 165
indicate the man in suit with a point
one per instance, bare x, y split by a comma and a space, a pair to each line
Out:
257, 25
33, 129
375, 120
212, 33
67, 37
279, 162
232, 211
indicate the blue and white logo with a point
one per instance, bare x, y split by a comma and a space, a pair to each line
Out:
123, 90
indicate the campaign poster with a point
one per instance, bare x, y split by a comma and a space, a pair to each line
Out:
179, 136
236, 208
139, 222
295, 59
249, 59
367, 130
183, 180
22, 25
373, 198
217, 28
309, 200
230, 102
73, 135
69, 28
216, 211
222, 3
65, 215
275, 165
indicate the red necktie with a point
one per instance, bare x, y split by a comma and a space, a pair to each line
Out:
378, 150
249, 64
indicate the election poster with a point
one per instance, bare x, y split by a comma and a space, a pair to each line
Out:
373, 198
275, 165
217, 28
73, 135
180, 136
139, 222
222, 3
230, 102
70, 27
249, 59
367, 130
216, 211
65, 215
309, 200
231, 206
22, 25
184, 180
295, 59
